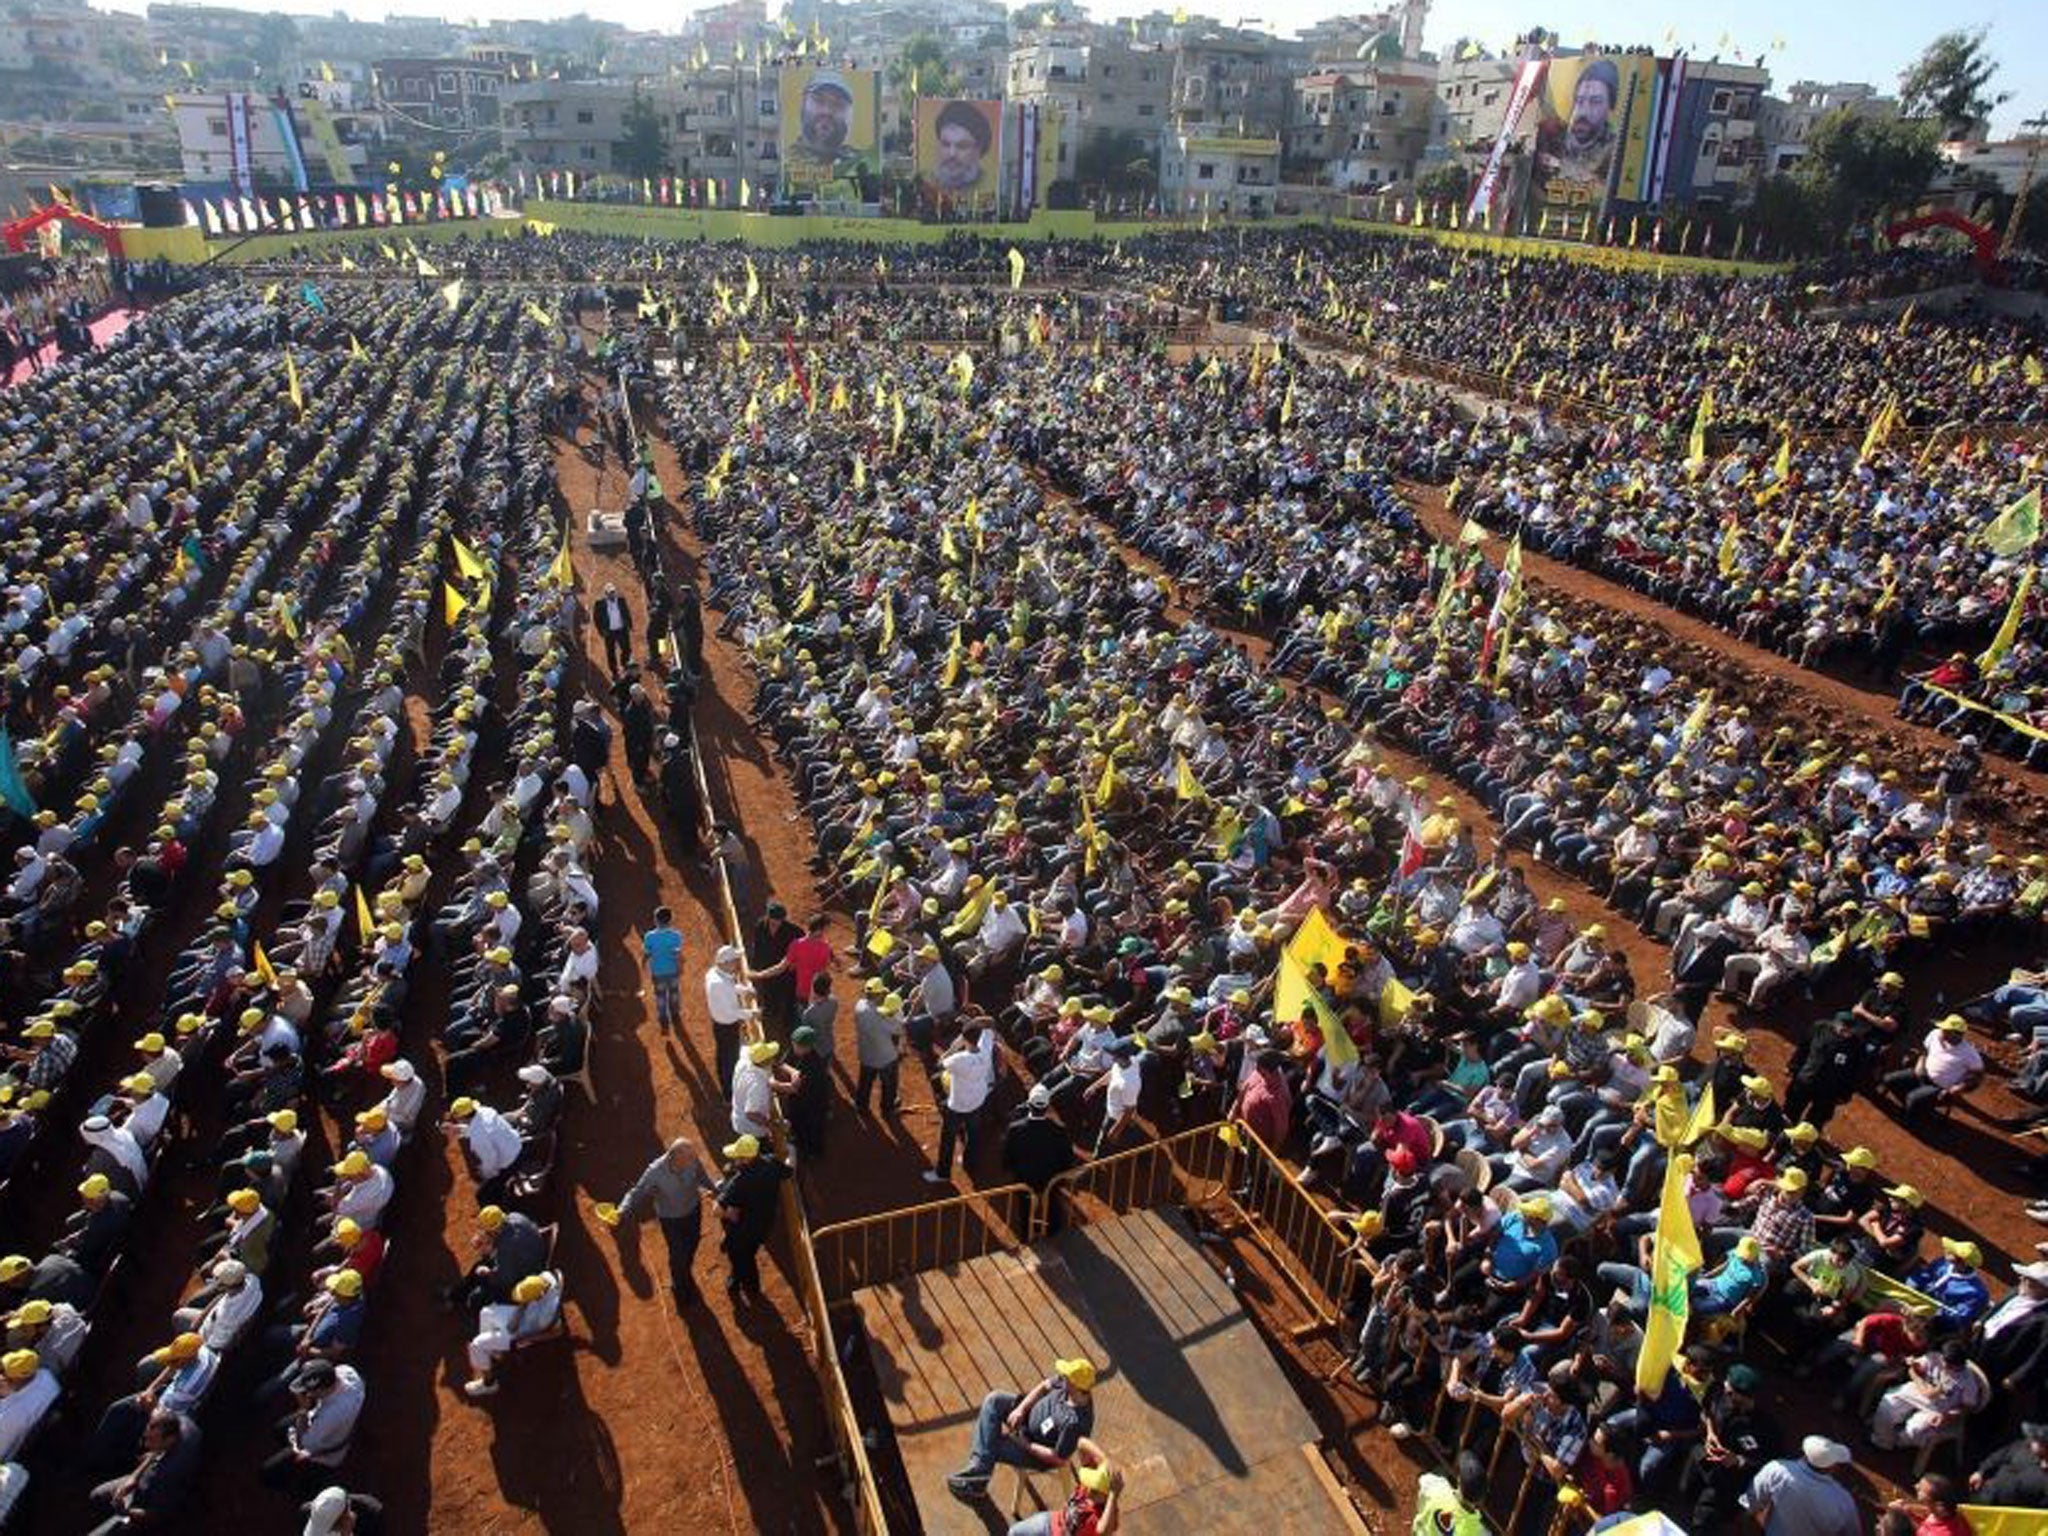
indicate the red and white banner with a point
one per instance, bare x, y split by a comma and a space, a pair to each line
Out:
1526, 80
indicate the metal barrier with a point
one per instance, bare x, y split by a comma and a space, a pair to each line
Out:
1172, 1170
1313, 1252
874, 1250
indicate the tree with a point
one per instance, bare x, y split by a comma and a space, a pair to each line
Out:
1794, 216
1444, 183
920, 69
1115, 163
642, 152
1946, 83
1858, 166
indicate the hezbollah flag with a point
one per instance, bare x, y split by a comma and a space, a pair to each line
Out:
365, 925
1185, 785
1339, 1050
2014, 530
561, 572
1696, 443
2009, 629
1675, 1257
1314, 942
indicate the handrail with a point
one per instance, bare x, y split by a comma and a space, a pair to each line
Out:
846, 1255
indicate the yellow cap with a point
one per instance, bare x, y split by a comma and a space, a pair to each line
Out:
95, 1186
491, 1217
355, 1165
532, 1288
743, 1150
345, 1283
1859, 1157
1078, 1372
19, 1364
347, 1232
243, 1201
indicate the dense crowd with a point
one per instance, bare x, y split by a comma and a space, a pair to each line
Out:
230, 538
287, 636
1078, 834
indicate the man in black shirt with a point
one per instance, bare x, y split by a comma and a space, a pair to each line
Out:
1735, 1442
2015, 1475
1036, 1148
747, 1198
1835, 1062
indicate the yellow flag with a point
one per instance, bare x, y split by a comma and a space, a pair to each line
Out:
1105, 787
291, 383
860, 472
1730, 550
426, 267
466, 560
1016, 269
1287, 403
1906, 316
561, 571
962, 369
182, 455
1696, 444
355, 348
1675, 1256
263, 966
1185, 785
539, 314
746, 193
452, 604
1880, 428
888, 623
452, 294
2015, 611
270, 293
1697, 720
955, 653
347, 263
896, 421
364, 925
1315, 942
753, 280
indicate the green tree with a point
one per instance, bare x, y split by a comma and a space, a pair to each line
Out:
642, 151
1116, 163
1793, 216
1858, 166
1442, 182
921, 69
1947, 83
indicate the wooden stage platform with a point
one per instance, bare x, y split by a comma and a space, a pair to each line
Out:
1189, 1400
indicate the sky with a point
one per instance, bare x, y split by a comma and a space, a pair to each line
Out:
1824, 40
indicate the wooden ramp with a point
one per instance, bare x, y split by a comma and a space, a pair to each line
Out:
1188, 1398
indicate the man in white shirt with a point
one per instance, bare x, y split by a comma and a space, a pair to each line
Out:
968, 1075
493, 1142
725, 999
1949, 1067
229, 1301
27, 1392
361, 1190
755, 1082
1120, 1087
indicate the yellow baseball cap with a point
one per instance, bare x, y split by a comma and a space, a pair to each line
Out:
1078, 1372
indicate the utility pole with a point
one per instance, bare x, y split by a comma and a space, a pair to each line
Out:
2034, 127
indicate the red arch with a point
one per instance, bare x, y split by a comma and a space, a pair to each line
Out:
18, 232
1984, 240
